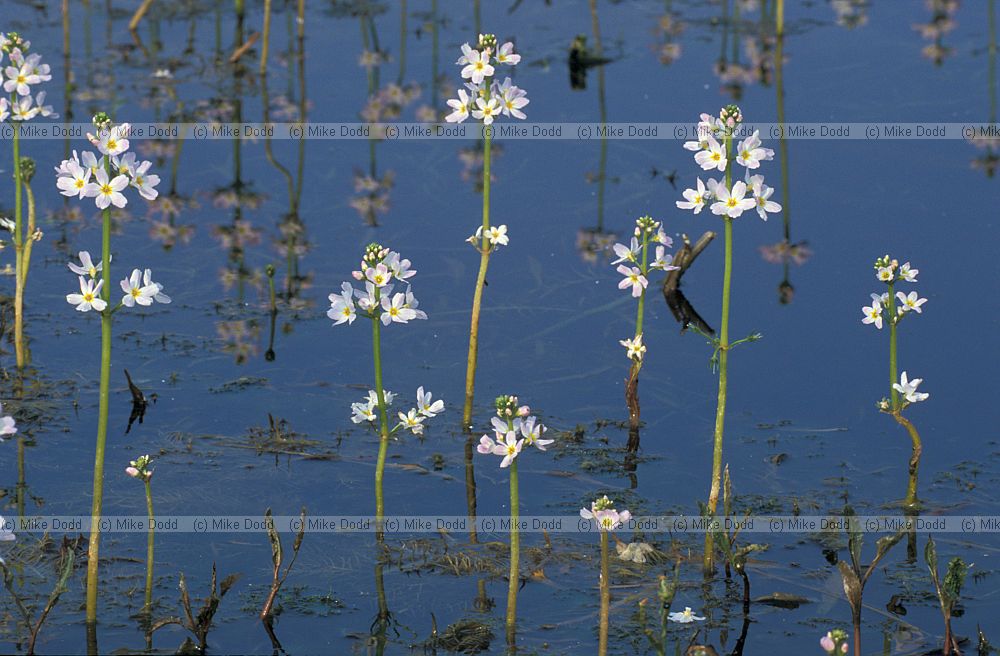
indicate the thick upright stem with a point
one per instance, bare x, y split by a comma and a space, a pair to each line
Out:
515, 553
914, 467
605, 584
720, 411
383, 445
18, 247
150, 538
102, 427
893, 373
477, 298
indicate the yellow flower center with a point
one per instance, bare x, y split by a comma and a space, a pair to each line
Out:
78, 183
112, 144
135, 292
106, 190
20, 79
88, 297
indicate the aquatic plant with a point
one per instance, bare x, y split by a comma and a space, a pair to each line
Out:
201, 623
488, 101
513, 428
834, 643
379, 267
635, 267
607, 519
64, 568
855, 576
139, 470
729, 200
24, 71
7, 426
278, 575
666, 590
112, 173
884, 311
948, 591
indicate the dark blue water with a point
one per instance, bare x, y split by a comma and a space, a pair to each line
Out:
550, 327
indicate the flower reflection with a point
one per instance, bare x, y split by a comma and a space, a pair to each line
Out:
239, 338
850, 13
668, 30
941, 22
784, 252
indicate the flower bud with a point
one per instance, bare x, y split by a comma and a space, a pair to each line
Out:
101, 121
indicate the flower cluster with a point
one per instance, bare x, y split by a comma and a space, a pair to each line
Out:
104, 178
513, 428
635, 267
606, 517
834, 643
413, 420
495, 235
139, 468
7, 425
483, 97
379, 267
23, 71
883, 308
138, 287
710, 154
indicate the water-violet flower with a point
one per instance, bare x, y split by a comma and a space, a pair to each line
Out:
908, 388
685, 617
632, 278
89, 296
694, 199
7, 425
910, 301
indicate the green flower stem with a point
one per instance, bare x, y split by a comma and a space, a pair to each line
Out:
18, 247
477, 299
645, 272
383, 445
720, 412
893, 373
605, 583
148, 606
102, 425
515, 553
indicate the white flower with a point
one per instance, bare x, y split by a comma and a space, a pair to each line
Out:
386, 394
7, 427
908, 388
396, 310
366, 299
634, 551
663, 238
634, 278
663, 260
147, 280
712, 157
477, 66
910, 302
512, 99
749, 153
762, 195
873, 313
114, 141
485, 110
634, 348
342, 306
908, 274
362, 412
884, 274
694, 198
506, 55
89, 296
35, 65
411, 303
532, 430
425, 406
4, 109
87, 268
732, 203
400, 269
19, 79
498, 235
136, 291
378, 275
509, 448
109, 192
466, 55
145, 183
460, 107
684, 617
43, 109
412, 421
76, 182
626, 253
21, 109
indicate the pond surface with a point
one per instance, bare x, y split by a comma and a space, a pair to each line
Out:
803, 433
